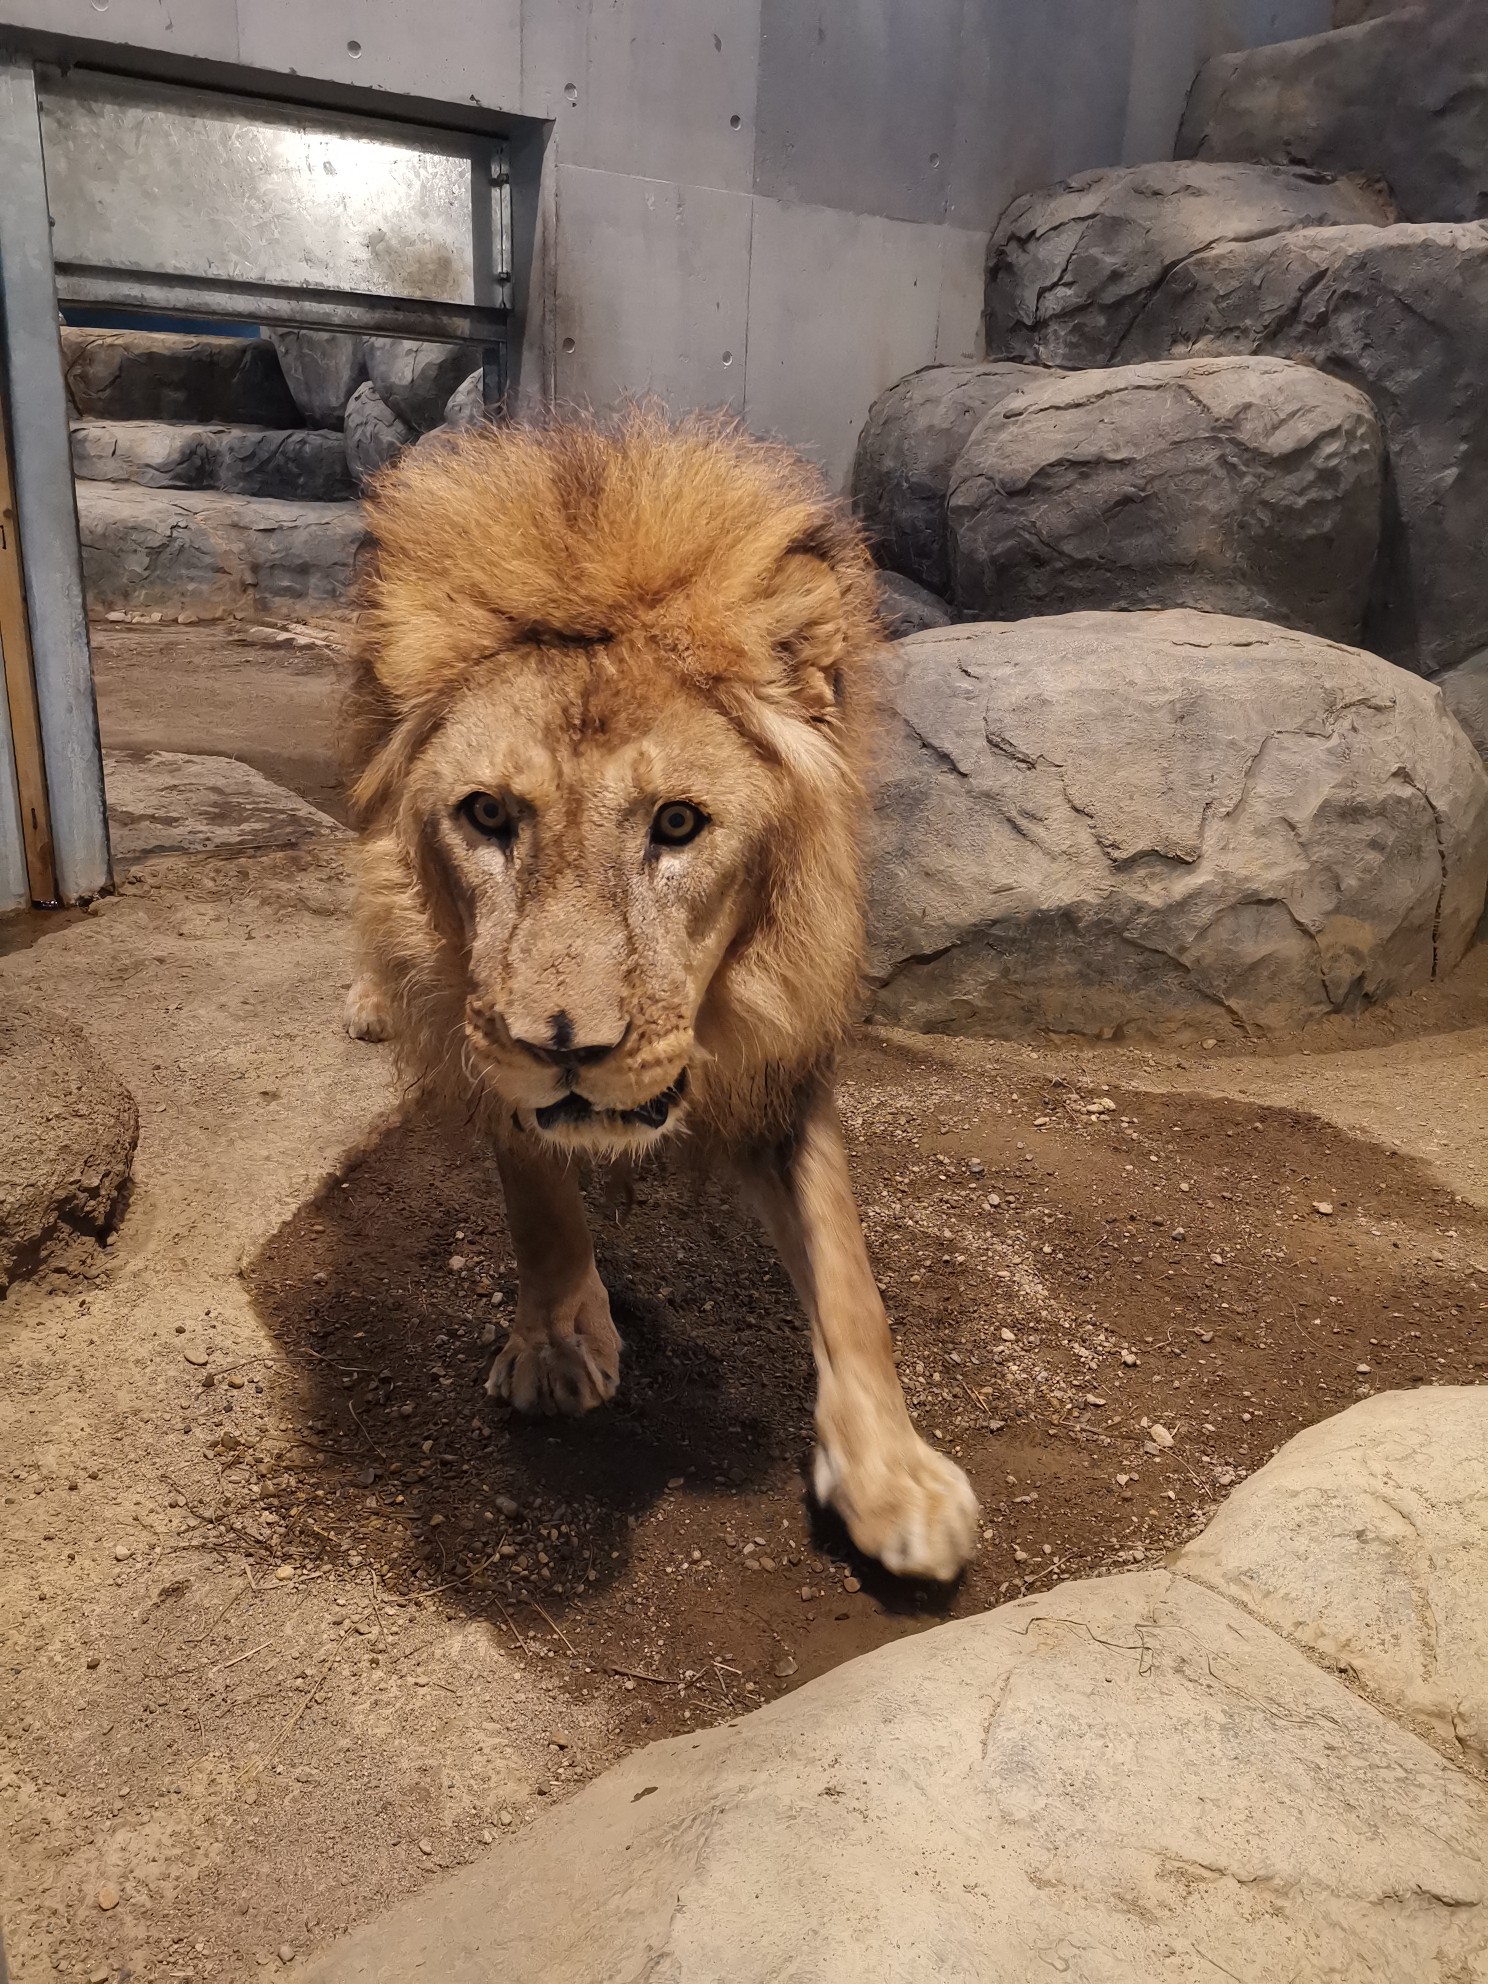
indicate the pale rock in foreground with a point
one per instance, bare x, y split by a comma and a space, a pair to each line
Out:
1365, 1540
1097, 821
1126, 1779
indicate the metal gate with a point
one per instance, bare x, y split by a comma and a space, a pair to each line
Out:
152, 197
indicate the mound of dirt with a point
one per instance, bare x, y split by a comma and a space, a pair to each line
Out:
67, 1134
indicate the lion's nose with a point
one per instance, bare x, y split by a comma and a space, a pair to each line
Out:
561, 1050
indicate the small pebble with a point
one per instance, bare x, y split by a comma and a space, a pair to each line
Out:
807, 1594
506, 1818
286, 1952
1324, 1206
1362, 1369
92, 1659
108, 1897
122, 1553
852, 1584
783, 1668
1161, 1436
507, 1506
486, 1835
676, 1481
425, 1846
194, 1354
284, 1573
488, 1334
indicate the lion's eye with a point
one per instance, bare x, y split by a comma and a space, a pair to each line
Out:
488, 816
677, 823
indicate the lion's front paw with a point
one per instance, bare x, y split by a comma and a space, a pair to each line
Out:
903, 1503
561, 1358
365, 1014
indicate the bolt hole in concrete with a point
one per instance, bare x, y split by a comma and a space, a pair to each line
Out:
571, 91
735, 121
353, 49
728, 358
568, 344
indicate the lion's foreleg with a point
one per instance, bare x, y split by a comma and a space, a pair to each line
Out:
902, 1502
563, 1353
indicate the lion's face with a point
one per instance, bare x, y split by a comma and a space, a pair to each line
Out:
599, 830
608, 730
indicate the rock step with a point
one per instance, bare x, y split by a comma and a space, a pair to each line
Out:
206, 549
1402, 98
305, 464
161, 375
1235, 485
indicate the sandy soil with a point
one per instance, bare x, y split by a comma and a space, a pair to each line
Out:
290, 1616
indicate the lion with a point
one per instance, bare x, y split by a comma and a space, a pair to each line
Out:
609, 726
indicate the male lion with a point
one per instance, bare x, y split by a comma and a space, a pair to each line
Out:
609, 725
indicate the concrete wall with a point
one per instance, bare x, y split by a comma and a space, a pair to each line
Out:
778, 206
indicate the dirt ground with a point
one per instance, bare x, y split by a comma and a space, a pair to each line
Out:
291, 1616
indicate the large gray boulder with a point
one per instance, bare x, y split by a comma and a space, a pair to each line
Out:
323, 369
1138, 820
161, 375
1403, 98
68, 1129
1238, 485
374, 433
417, 377
1401, 312
466, 405
1072, 267
1366, 1541
1122, 1781
906, 451
1465, 693
306, 464
203, 549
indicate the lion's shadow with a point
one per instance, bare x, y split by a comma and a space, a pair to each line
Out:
383, 1290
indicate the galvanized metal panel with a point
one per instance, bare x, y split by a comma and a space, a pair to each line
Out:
450, 51
44, 495
840, 306
664, 89
189, 183
652, 290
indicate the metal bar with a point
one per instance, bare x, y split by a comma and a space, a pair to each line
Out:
20, 690
50, 552
299, 309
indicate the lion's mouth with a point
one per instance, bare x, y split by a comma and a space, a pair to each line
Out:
570, 1109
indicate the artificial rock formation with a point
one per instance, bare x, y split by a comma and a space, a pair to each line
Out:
301, 464
416, 377
907, 607
1071, 268
374, 433
1402, 98
906, 451
148, 375
202, 549
1129, 820
1238, 485
1465, 693
322, 369
68, 1128
1127, 1778
1402, 313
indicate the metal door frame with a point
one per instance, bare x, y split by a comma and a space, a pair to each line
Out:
32, 287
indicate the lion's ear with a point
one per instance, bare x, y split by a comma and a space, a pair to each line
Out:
804, 619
